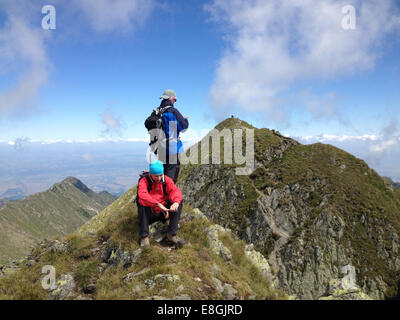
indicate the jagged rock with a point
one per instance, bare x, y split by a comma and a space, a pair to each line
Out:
258, 260
114, 255
64, 287
114, 258
337, 291
216, 245
108, 250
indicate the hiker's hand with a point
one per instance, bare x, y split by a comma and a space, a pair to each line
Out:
162, 208
166, 215
174, 207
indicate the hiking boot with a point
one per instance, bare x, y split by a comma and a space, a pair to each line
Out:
175, 241
145, 242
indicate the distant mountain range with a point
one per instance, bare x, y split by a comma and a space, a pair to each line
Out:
13, 194
57, 211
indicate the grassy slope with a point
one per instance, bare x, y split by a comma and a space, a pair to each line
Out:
120, 225
59, 210
354, 190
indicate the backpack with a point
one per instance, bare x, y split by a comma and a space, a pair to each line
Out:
145, 174
155, 121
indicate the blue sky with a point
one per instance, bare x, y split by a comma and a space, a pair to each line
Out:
278, 64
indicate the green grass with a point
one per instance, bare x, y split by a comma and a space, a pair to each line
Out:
354, 190
195, 260
86, 272
349, 186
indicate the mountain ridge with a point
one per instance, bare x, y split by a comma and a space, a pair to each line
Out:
59, 210
311, 209
323, 223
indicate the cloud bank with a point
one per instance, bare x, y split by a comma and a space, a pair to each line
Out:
22, 52
113, 124
115, 15
272, 44
23, 57
381, 152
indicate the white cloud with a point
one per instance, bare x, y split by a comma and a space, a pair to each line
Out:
389, 139
274, 43
333, 138
23, 42
79, 141
115, 15
380, 152
22, 52
385, 145
113, 124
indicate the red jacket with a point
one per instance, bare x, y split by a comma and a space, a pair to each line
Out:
157, 195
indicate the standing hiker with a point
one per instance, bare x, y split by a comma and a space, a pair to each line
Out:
159, 199
174, 124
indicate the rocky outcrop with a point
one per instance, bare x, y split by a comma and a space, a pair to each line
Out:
206, 188
64, 287
337, 290
308, 223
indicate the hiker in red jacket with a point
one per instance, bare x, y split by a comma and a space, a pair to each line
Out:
163, 202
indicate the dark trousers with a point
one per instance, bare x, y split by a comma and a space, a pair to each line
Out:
172, 171
147, 217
